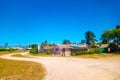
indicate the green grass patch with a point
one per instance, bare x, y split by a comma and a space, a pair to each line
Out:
20, 70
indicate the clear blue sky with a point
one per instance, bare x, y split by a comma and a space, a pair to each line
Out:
33, 21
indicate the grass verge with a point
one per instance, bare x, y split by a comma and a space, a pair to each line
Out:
102, 55
4, 52
20, 70
44, 55
18, 55
8, 52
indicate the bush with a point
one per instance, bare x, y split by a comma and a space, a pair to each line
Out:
11, 49
49, 52
78, 53
33, 50
90, 51
3, 49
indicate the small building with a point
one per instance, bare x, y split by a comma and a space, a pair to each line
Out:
46, 48
78, 48
104, 45
58, 49
104, 48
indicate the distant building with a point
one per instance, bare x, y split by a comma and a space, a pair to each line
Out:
104, 45
58, 49
46, 48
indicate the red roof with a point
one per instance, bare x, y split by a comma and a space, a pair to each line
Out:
48, 47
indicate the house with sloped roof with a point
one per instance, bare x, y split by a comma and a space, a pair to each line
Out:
59, 48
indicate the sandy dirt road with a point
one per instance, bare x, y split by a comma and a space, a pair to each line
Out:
62, 68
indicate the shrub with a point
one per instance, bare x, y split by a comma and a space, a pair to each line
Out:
78, 53
11, 49
33, 50
49, 52
90, 51
3, 49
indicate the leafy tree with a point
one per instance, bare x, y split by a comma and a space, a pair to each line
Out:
116, 35
118, 26
42, 46
107, 35
66, 42
51, 44
5, 45
83, 41
46, 43
113, 37
90, 37
34, 48
105, 41
113, 47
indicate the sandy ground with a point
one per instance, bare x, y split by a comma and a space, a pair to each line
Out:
59, 68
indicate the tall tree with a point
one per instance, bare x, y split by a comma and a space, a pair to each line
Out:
42, 46
45, 43
118, 26
5, 45
34, 46
90, 37
83, 41
66, 42
112, 35
107, 35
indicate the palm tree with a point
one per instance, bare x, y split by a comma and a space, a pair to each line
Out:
90, 37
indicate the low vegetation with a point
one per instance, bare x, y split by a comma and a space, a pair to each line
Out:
43, 54
90, 51
7, 49
4, 52
18, 55
96, 56
8, 52
20, 70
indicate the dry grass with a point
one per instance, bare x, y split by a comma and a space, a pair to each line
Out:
20, 70
18, 55
8, 52
44, 55
4, 52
